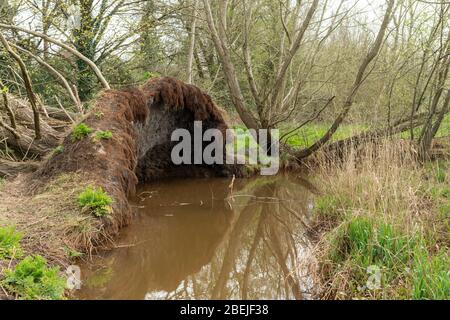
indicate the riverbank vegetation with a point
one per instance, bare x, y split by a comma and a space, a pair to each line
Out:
382, 211
359, 91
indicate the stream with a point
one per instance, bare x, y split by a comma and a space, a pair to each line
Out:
198, 239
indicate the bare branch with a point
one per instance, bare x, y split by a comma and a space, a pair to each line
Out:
356, 85
64, 46
9, 111
28, 85
61, 79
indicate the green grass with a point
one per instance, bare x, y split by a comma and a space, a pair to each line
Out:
386, 214
444, 129
329, 206
72, 253
440, 175
439, 192
410, 266
430, 275
58, 150
310, 133
444, 210
10, 243
81, 131
96, 201
440, 170
103, 135
307, 135
31, 279
408, 269
370, 242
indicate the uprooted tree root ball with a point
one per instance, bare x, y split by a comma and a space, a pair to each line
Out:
124, 140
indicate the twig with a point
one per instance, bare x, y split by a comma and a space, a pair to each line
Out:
9, 111
309, 120
64, 110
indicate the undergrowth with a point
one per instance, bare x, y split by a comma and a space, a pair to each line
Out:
384, 227
31, 279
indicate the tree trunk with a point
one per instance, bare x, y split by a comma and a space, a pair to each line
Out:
192, 43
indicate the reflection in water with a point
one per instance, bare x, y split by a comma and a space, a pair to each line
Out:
193, 239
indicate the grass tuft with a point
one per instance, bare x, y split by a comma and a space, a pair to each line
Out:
58, 150
99, 115
431, 275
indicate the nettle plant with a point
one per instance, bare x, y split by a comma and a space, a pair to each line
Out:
95, 200
10, 243
103, 135
81, 131
32, 279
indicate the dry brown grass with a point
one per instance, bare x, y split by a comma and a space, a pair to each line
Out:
51, 221
378, 179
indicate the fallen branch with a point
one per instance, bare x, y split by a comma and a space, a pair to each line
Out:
64, 110
12, 168
9, 128
400, 126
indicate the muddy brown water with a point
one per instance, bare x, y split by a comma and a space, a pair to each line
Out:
194, 239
